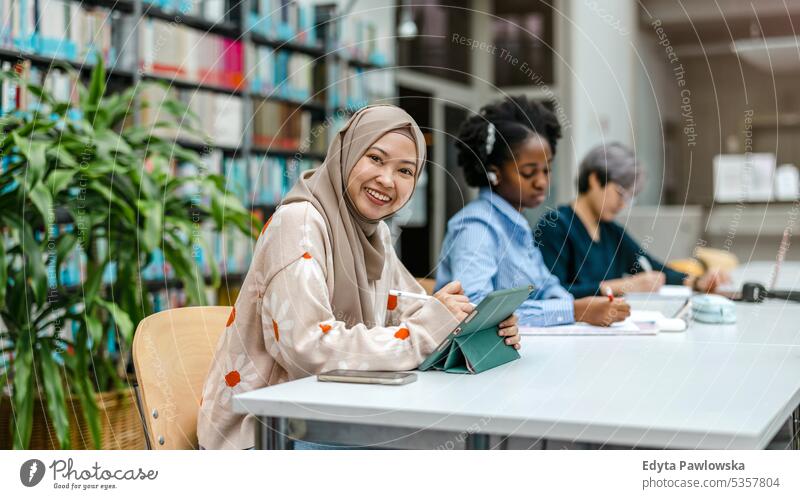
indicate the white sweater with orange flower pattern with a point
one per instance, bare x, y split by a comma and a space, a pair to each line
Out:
282, 326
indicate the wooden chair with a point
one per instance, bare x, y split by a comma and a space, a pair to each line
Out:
172, 352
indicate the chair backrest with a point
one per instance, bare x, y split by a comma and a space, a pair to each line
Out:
427, 283
172, 352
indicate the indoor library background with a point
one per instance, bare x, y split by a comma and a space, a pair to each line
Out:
146, 144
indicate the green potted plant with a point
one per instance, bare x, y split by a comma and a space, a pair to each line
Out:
89, 168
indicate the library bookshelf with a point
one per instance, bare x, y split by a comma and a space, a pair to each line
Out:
277, 71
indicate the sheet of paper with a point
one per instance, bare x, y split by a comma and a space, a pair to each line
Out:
675, 291
622, 328
655, 318
646, 316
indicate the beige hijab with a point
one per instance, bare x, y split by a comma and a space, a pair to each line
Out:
358, 252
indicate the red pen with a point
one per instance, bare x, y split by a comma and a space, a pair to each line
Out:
609, 293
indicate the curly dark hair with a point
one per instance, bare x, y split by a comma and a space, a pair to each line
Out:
515, 119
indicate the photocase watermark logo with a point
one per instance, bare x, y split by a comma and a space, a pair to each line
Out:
31, 472
69, 475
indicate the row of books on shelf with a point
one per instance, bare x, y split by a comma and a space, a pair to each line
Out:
62, 29
165, 299
195, 56
230, 249
293, 21
215, 11
281, 73
259, 180
298, 22
181, 52
15, 97
275, 124
218, 117
275, 19
354, 87
285, 126
264, 180
220, 120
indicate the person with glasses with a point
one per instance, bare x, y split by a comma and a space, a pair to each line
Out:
589, 252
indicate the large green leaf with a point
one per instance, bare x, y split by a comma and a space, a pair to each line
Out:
95, 328
124, 187
43, 200
52, 380
179, 255
94, 279
153, 214
125, 209
118, 106
109, 142
35, 271
97, 87
59, 179
62, 156
3, 277
122, 320
64, 247
40, 93
186, 155
180, 228
34, 152
24, 392
147, 188
79, 383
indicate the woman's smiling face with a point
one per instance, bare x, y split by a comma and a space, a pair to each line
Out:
382, 181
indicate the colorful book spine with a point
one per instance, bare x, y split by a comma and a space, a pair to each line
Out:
190, 55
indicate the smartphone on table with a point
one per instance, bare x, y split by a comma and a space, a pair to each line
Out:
368, 377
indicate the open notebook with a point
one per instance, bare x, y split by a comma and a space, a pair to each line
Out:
622, 328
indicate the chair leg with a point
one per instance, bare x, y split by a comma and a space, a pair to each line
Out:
142, 416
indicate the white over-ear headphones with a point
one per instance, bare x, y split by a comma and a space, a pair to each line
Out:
492, 176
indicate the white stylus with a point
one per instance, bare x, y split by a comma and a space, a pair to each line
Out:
415, 296
408, 294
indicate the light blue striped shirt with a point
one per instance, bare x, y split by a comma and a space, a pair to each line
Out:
489, 246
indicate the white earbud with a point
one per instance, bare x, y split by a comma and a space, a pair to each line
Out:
492, 176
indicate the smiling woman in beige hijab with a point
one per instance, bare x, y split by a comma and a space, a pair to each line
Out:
316, 295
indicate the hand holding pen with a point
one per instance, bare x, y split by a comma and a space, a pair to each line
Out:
451, 296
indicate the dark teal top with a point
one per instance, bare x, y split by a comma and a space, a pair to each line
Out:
581, 263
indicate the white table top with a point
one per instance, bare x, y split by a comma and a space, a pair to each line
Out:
772, 323
710, 387
762, 271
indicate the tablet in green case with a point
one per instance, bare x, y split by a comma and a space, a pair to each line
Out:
474, 346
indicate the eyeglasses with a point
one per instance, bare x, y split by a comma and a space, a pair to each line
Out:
627, 195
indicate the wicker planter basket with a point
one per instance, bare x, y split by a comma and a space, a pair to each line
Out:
120, 425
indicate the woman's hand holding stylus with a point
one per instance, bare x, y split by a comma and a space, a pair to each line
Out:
452, 296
